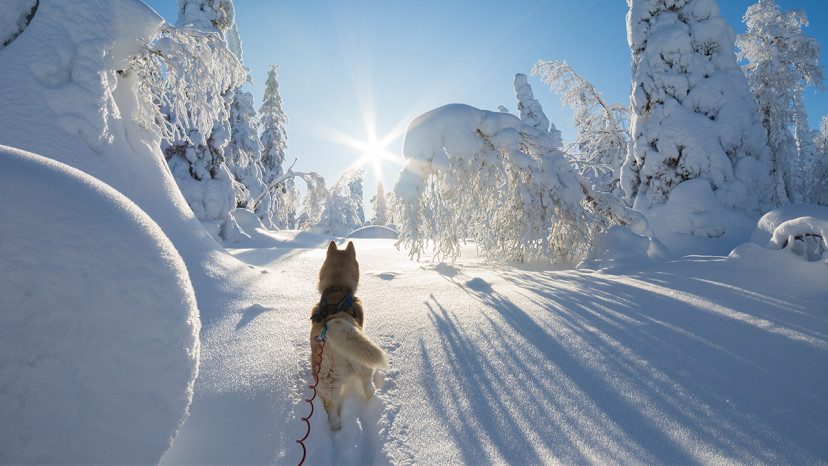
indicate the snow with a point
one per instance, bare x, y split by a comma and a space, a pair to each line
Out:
99, 331
375, 231
714, 356
701, 359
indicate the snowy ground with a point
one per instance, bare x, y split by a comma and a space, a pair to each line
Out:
703, 359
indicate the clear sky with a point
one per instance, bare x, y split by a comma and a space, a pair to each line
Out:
353, 72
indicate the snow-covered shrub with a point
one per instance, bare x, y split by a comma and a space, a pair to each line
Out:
804, 236
692, 113
484, 175
600, 146
798, 228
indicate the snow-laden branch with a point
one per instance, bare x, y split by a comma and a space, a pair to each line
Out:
276, 182
182, 74
487, 176
600, 146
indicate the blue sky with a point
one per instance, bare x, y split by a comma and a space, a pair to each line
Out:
355, 71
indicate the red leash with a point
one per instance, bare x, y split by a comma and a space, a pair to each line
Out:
318, 366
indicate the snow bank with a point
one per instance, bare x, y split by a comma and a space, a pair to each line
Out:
801, 229
619, 246
62, 96
98, 325
770, 221
375, 231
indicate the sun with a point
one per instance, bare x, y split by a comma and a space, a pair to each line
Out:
373, 151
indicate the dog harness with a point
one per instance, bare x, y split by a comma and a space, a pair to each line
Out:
326, 309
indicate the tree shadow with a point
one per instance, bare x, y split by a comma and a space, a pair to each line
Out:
647, 368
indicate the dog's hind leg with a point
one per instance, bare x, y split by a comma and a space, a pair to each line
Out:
366, 375
331, 394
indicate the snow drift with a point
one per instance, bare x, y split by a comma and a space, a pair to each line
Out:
99, 326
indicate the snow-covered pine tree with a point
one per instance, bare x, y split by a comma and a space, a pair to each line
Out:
694, 124
600, 147
380, 204
782, 61
280, 205
344, 208
484, 175
243, 153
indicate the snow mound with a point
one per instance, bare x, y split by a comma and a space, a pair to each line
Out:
769, 222
804, 236
619, 246
375, 232
99, 327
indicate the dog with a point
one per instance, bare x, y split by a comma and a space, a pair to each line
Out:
337, 320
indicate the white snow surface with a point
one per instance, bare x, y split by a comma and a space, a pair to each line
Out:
702, 359
98, 321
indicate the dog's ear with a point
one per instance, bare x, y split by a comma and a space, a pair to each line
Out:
331, 248
351, 250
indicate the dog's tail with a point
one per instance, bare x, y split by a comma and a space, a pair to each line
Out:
349, 340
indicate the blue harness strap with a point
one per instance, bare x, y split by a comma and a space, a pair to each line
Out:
326, 309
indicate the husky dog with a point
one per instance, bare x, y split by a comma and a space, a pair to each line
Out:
338, 319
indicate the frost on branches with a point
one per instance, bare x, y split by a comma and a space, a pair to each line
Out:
484, 175
187, 79
600, 146
782, 61
693, 118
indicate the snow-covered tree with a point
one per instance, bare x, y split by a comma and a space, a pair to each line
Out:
281, 204
782, 61
380, 204
314, 203
819, 190
486, 175
693, 120
243, 153
186, 79
600, 147
531, 112
344, 208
